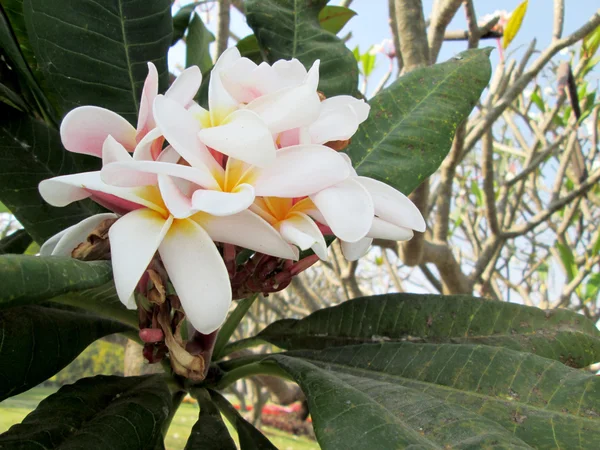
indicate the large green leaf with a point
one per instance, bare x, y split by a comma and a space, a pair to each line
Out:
459, 319
288, 29
198, 42
412, 123
31, 151
209, 432
16, 242
357, 411
250, 438
333, 18
37, 342
97, 413
542, 402
32, 279
95, 53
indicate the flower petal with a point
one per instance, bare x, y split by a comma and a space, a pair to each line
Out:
145, 117
220, 102
380, 229
198, 274
73, 236
184, 88
134, 239
179, 204
333, 124
301, 170
246, 230
291, 73
84, 130
180, 128
112, 151
353, 251
223, 203
288, 108
393, 206
244, 136
301, 230
143, 151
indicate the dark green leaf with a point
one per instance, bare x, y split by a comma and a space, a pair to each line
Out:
31, 152
542, 402
12, 99
364, 409
32, 279
412, 123
209, 432
250, 438
333, 18
249, 48
288, 29
95, 53
16, 242
560, 334
198, 42
181, 21
37, 342
103, 412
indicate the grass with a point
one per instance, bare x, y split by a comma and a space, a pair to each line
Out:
14, 410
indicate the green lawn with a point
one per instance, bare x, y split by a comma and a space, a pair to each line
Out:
14, 409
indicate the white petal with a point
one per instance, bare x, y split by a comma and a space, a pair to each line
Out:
198, 274
244, 136
134, 239
145, 118
180, 128
287, 108
112, 151
246, 230
178, 204
73, 236
359, 107
84, 130
353, 251
184, 88
380, 229
143, 151
301, 170
301, 230
333, 125
347, 208
312, 77
239, 78
220, 102
292, 72
223, 203
393, 206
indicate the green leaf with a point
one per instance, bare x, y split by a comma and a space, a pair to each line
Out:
590, 44
32, 152
181, 21
100, 412
459, 319
198, 42
361, 408
334, 18
514, 23
33, 279
592, 287
37, 342
477, 193
95, 53
250, 438
209, 432
16, 242
288, 29
231, 324
249, 48
367, 61
12, 99
412, 123
568, 260
539, 102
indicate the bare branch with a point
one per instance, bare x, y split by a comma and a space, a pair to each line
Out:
488, 182
559, 17
223, 17
443, 13
411, 32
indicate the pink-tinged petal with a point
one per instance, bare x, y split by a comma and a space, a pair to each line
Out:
347, 208
393, 206
287, 108
239, 79
380, 229
198, 274
244, 136
223, 203
353, 251
291, 73
179, 204
145, 117
180, 128
301, 230
115, 204
184, 88
112, 151
301, 170
246, 230
73, 236
85, 129
134, 239
144, 150
220, 102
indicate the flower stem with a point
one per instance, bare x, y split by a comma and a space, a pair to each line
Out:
230, 325
241, 345
248, 370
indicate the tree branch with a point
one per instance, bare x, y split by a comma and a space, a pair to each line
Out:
223, 18
443, 13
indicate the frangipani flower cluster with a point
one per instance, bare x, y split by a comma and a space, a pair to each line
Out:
257, 170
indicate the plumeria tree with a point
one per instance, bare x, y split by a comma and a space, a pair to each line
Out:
164, 206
